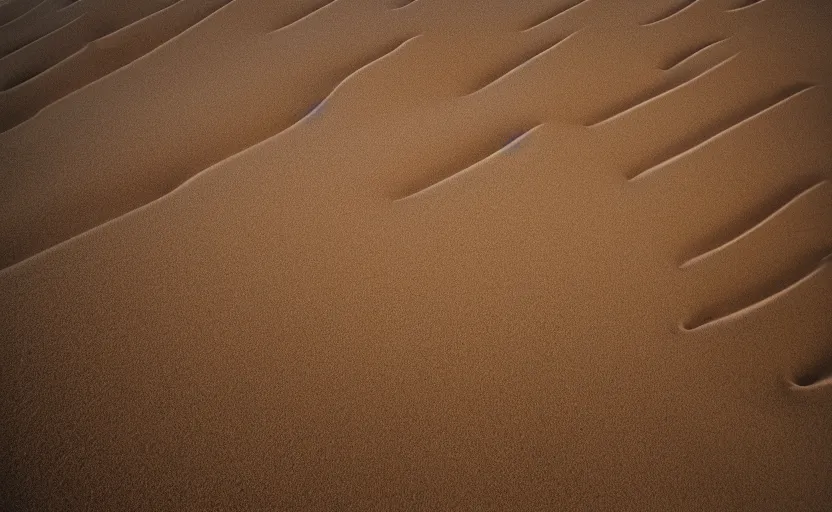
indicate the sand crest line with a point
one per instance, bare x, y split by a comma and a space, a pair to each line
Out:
319, 105
523, 64
14, 84
172, 12
669, 161
814, 386
752, 3
552, 15
25, 13
769, 218
406, 4
612, 117
80, 4
815, 376
141, 58
51, 32
303, 16
224, 161
24, 45
744, 311
691, 54
674, 11
22, 14
479, 163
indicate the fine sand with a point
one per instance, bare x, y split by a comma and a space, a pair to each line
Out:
427, 255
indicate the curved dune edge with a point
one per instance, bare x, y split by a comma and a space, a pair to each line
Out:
11, 10
398, 46
729, 313
27, 62
369, 57
37, 23
98, 58
813, 382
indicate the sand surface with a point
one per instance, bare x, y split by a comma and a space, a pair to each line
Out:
428, 255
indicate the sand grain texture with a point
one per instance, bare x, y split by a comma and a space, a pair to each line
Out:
426, 255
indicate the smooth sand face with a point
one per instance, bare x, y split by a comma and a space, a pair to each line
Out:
443, 255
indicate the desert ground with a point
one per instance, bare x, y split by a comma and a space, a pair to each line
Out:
385, 255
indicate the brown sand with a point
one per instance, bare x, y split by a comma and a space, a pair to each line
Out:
267, 255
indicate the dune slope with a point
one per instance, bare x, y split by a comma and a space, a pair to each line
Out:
425, 255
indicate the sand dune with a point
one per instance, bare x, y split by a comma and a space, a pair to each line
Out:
416, 255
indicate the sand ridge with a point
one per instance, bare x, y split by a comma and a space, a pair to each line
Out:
363, 254
50, 68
